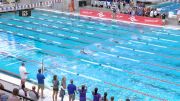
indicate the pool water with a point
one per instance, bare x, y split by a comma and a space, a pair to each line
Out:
125, 60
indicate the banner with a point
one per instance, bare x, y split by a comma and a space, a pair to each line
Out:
95, 13
122, 17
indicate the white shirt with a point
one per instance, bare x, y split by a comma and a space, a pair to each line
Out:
23, 72
151, 13
21, 92
33, 96
178, 13
155, 13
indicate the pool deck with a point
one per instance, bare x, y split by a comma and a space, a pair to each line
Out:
172, 23
14, 82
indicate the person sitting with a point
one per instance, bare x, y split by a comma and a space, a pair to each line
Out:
33, 94
14, 96
96, 95
82, 93
22, 90
3, 96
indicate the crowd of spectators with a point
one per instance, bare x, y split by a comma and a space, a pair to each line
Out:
121, 6
59, 89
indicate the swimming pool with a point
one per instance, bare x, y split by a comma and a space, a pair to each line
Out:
168, 7
127, 61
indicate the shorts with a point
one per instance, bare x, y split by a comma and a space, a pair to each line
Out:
56, 89
23, 81
72, 96
41, 86
164, 20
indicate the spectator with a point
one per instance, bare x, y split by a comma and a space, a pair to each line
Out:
178, 16
23, 73
104, 98
40, 78
82, 93
3, 96
152, 13
55, 87
33, 94
14, 96
63, 87
163, 16
96, 95
112, 98
155, 13
23, 91
127, 99
114, 11
71, 91
108, 5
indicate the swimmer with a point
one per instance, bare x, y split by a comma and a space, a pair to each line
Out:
141, 31
135, 37
115, 41
83, 52
99, 46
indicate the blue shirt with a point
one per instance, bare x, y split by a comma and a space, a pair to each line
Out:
71, 89
96, 97
82, 94
40, 78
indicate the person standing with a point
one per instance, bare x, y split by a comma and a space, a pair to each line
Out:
71, 91
23, 73
178, 16
104, 98
55, 87
82, 93
63, 87
96, 95
40, 78
112, 98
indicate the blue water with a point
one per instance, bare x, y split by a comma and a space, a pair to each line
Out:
127, 61
168, 7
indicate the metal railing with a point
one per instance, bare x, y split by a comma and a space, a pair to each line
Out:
24, 98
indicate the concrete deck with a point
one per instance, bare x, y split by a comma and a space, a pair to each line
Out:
14, 82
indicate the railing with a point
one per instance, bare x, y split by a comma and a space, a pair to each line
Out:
21, 97
28, 6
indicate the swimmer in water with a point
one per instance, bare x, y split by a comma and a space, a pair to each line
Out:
142, 32
135, 37
115, 41
83, 52
99, 46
